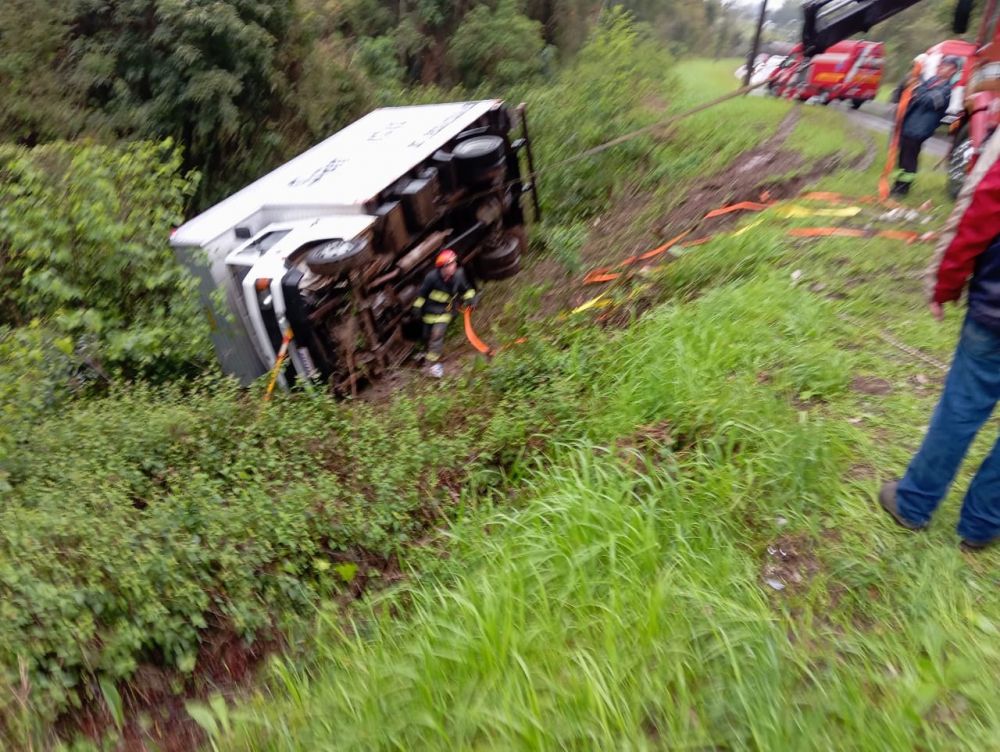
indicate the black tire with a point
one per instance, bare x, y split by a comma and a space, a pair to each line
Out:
501, 272
338, 256
478, 155
958, 161
856, 104
505, 253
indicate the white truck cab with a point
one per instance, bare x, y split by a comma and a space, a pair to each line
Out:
331, 246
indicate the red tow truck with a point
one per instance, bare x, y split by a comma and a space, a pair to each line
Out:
981, 114
829, 22
849, 70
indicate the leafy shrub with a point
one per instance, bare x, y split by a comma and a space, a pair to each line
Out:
606, 92
83, 243
134, 522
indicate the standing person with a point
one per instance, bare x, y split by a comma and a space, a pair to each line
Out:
928, 105
443, 285
968, 254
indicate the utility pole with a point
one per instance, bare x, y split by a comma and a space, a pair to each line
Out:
756, 43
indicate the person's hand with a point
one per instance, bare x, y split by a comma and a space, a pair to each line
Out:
937, 310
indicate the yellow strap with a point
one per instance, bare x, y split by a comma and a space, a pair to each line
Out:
439, 296
419, 302
440, 318
469, 295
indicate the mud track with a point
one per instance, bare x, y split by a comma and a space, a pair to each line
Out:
769, 171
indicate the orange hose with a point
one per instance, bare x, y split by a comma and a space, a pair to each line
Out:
470, 334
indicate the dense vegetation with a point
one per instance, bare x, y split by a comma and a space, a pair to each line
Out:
697, 562
142, 508
242, 84
149, 506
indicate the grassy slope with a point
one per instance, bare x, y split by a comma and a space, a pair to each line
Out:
621, 603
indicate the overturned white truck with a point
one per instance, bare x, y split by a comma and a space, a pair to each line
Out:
333, 245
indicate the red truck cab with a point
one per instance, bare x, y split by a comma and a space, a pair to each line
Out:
850, 70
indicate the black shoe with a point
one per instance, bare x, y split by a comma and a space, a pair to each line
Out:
977, 546
887, 498
899, 190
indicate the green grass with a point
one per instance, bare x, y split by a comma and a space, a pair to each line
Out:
622, 600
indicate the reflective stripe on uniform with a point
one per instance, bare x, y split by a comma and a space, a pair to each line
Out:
439, 296
419, 302
469, 294
438, 318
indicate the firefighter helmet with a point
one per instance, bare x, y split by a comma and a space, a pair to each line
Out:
447, 256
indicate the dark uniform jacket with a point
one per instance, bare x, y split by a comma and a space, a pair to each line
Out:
436, 297
927, 106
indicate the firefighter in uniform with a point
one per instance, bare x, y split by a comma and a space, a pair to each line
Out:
928, 105
443, 285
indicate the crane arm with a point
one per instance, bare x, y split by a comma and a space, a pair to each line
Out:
826, 22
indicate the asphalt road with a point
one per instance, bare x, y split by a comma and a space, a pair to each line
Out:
878, 116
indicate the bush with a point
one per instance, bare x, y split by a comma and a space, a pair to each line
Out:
83, 243
605, 93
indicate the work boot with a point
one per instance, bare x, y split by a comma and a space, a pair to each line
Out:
977, 546
435, 370
900, 189
887, 498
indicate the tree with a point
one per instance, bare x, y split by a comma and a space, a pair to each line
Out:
203, 72
39, 101
500, 45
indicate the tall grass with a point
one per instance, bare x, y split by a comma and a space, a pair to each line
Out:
623, 601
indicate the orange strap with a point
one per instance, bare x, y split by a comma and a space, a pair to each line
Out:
470, 334
663, 248
597, 276
890, 157
827, 232
741, 206
908, 236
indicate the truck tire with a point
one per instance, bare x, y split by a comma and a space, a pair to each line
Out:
478, 155
501, 272
338, 256
958, 160
503, 254
856, 104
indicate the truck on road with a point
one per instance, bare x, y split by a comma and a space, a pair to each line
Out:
324, 255
850, 70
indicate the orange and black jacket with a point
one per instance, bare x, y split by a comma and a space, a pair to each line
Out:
437, 296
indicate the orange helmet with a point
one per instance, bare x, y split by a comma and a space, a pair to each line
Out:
447, 256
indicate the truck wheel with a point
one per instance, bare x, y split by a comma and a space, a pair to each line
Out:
505, 253
338, 256
501, 272
477, 155
856, 104
958, 160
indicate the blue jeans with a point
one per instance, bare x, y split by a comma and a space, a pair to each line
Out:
970, 393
